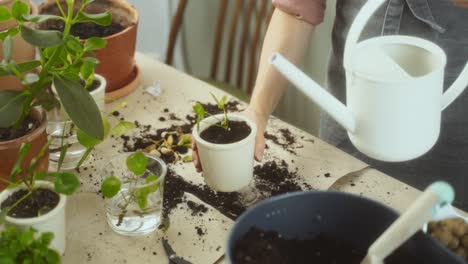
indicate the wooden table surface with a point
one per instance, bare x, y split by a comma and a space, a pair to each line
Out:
319, 165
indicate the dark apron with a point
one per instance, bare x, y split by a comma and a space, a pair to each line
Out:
438, 21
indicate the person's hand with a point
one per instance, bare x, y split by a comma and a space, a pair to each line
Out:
261, 122
460, 3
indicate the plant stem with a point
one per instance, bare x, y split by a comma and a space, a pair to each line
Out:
85, 156
18, 202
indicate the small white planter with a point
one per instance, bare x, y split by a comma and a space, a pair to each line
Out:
53, 221
226, 167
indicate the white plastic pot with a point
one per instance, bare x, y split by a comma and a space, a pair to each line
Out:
53, 221
226, 167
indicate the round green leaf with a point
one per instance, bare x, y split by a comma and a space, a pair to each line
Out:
19, 9
122, 128
66, 183
137, 163
110, 186
152, 178
5, 14
88, 141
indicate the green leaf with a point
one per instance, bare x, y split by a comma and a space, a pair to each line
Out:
5, 14
10, 32
41, 175
41, 38
122, 128
7, 48
188, 158
137, 163
35, 18
152, 178
66, 183
95, 43
17, 169
87, 141
19, 9
73, 44
103, 19
110, 186
141, 195
26, 238
48, 101
11, 107
80, 106
87, 69
28, 66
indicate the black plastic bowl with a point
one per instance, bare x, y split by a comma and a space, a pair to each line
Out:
347, 217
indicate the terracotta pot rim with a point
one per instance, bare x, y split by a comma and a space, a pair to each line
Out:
32, 134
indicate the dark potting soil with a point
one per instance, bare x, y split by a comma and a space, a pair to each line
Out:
40, 201
87, 30
268, 247
288, 140
93, 86
237, 131
273, 178
10, 133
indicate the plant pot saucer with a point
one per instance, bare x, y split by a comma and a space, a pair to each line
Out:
126, 89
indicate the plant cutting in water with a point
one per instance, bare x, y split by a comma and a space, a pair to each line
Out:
64, 182
202, 113
140, 185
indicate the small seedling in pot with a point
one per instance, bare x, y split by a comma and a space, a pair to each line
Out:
171, 143
26, 246
139, 183
64, 182
202, 113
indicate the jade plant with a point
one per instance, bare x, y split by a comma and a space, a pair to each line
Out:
64, 182
140, 185
64, 61
26, 246
201, 112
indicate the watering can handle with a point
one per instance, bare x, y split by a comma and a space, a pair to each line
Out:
358, 25
456, 89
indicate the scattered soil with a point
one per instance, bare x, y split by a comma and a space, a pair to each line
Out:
28, 125
237, 131
175, 186
270, 179
274, 178
86, 30
197, 209
231, 106
262, 247
287, 141
40, 201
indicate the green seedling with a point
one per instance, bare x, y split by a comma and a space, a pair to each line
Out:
202, 113
17, 246
64, 182
140, 184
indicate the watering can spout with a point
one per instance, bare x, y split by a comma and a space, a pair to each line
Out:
314, 92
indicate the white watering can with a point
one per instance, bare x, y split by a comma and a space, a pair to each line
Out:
394, 91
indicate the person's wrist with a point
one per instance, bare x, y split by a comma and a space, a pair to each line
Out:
261, 117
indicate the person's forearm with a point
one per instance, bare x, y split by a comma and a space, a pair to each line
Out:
289, 36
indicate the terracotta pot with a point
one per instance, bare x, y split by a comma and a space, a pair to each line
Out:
22, 51
9, 149
118, 57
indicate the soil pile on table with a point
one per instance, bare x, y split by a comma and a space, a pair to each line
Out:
269, 247
273, 178
235, 132
38, 203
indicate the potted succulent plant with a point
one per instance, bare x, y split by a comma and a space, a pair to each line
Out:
32, 202
65, 62
23, 51
120, 35
226, 144
25, 246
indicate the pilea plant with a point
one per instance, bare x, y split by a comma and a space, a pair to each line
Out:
63, 60
140, 184
202, 113
26, 246
64, 182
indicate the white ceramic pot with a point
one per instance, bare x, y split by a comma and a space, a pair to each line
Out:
53, 221
59, 124
226, 167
